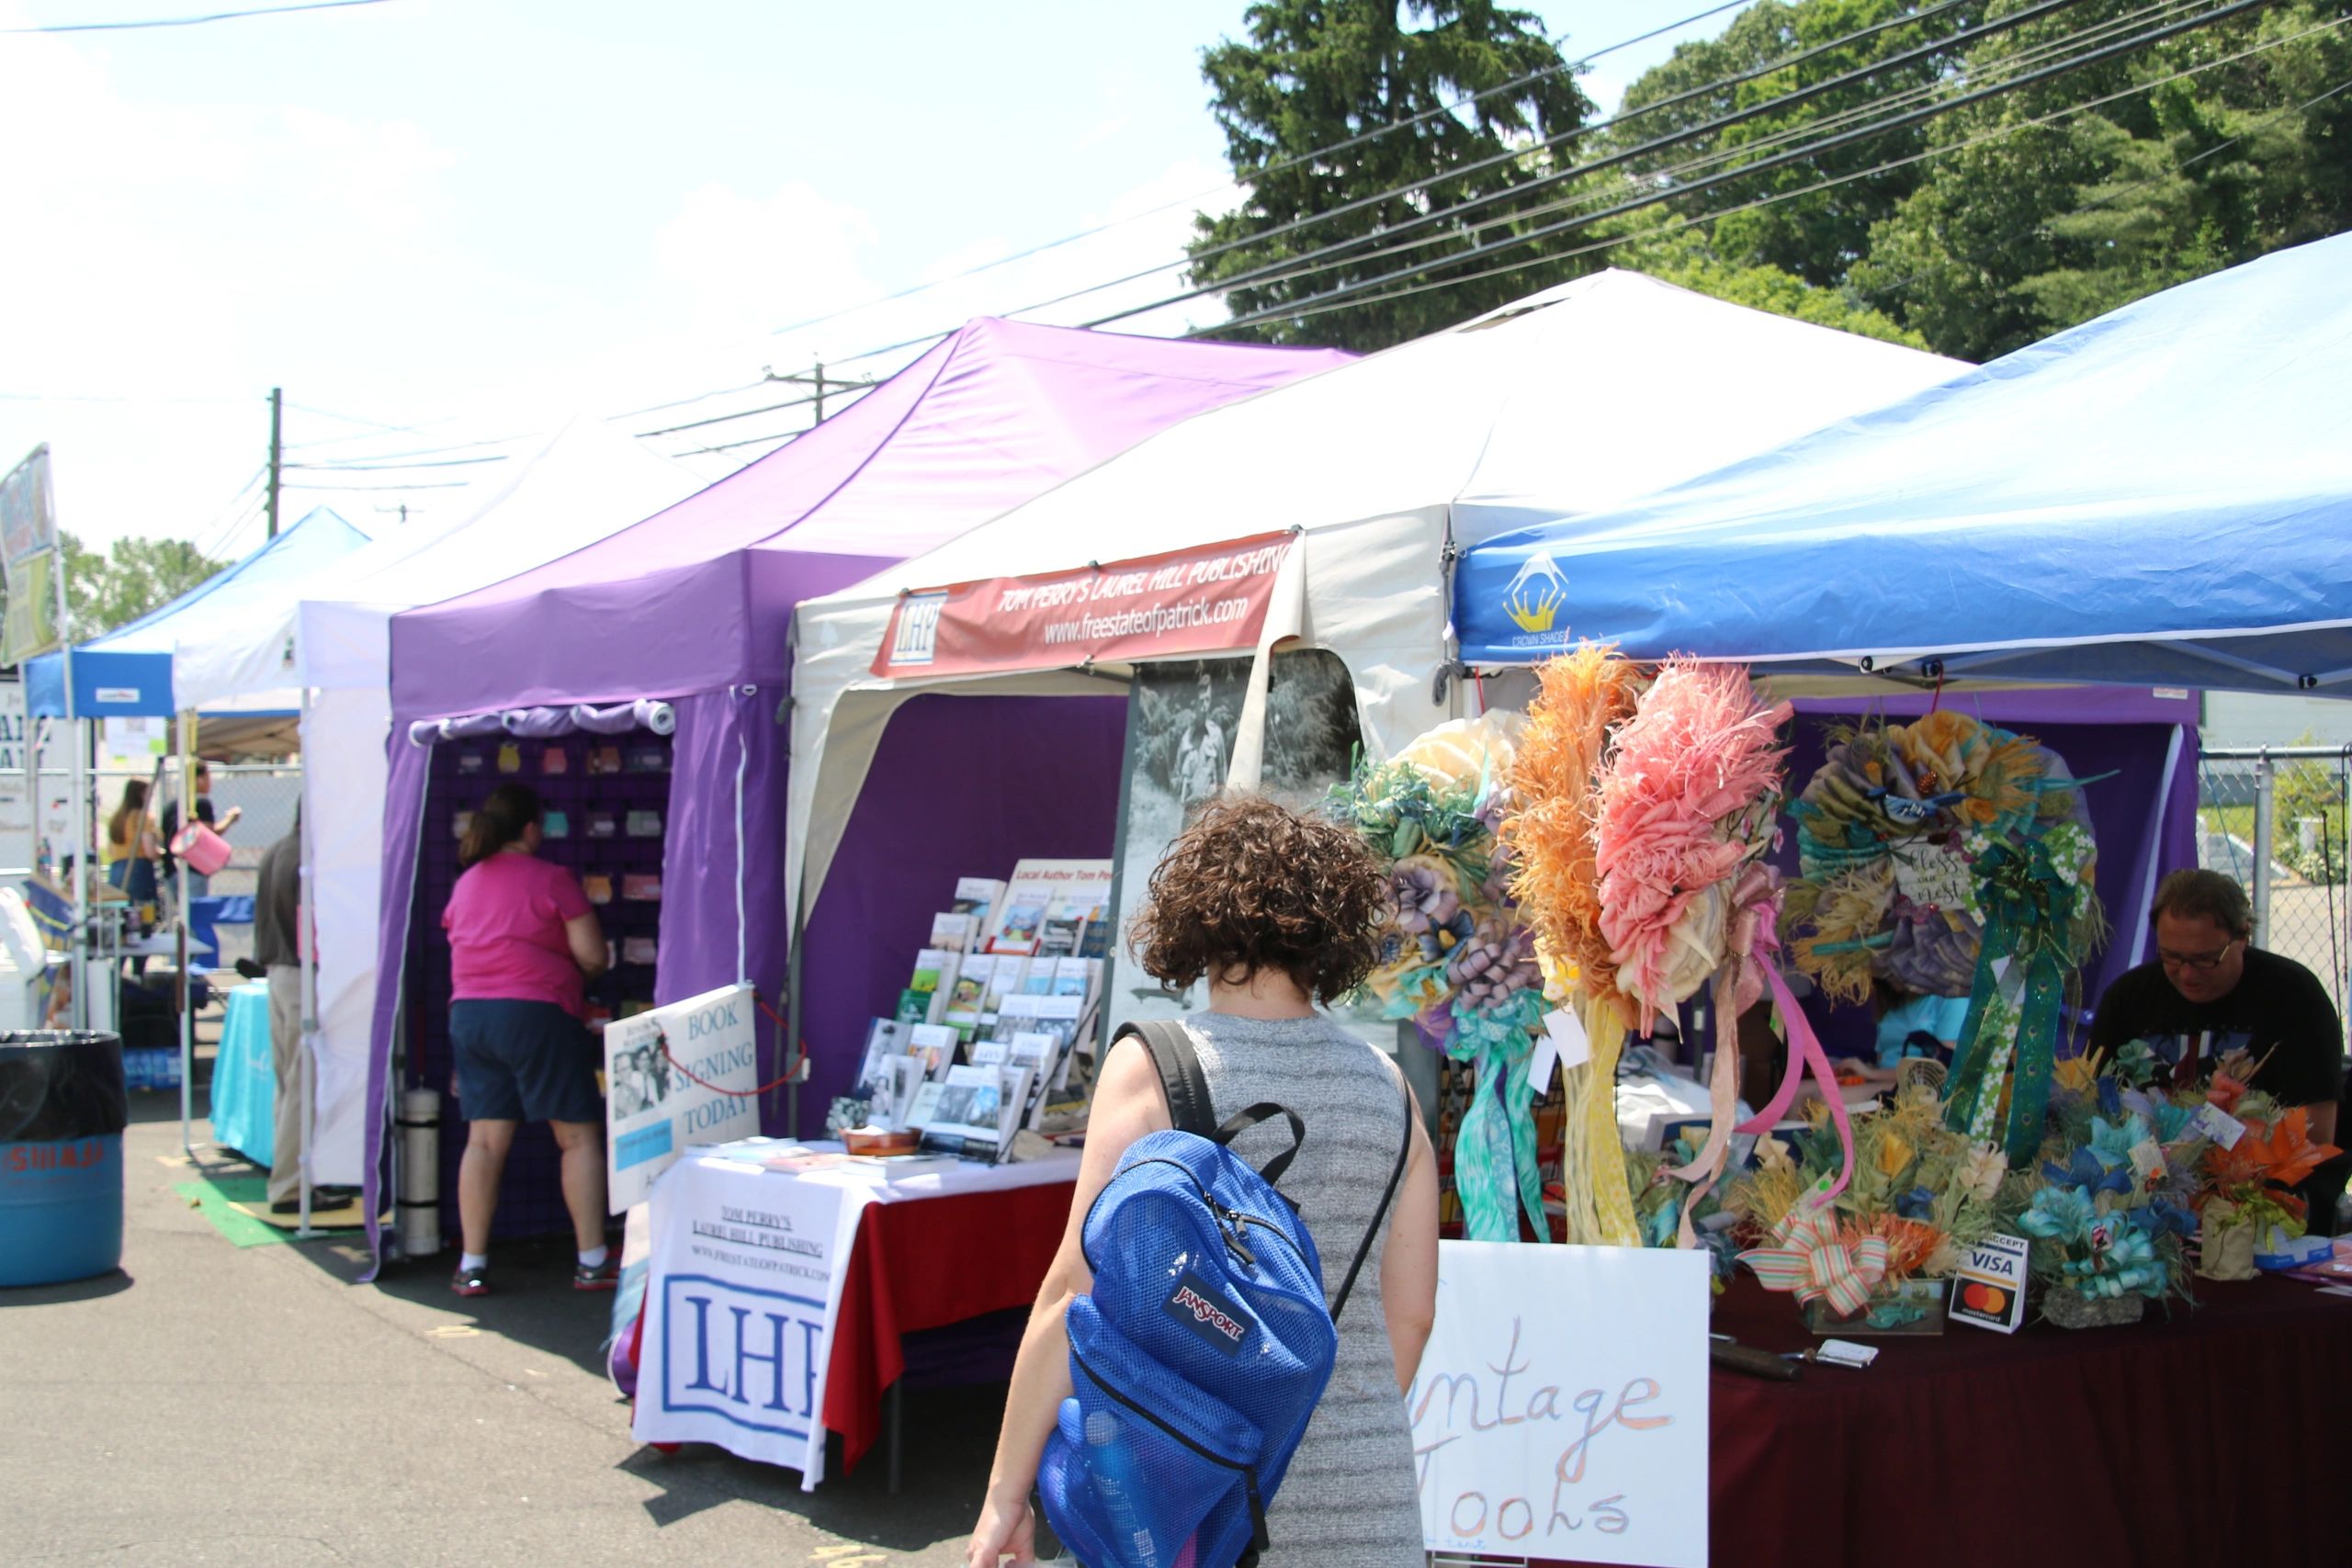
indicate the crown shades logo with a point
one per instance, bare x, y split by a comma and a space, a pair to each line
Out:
1534, 599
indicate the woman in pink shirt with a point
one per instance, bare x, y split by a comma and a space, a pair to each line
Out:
523, 943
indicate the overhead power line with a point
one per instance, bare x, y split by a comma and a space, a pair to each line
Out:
1723, 122
1676, 176
143, 24
1549, 144
348, 467
1358, 140
1810, 149
1364, 295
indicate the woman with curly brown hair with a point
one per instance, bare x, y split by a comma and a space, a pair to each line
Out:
1279, 911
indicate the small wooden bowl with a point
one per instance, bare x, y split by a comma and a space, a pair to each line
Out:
880, 1140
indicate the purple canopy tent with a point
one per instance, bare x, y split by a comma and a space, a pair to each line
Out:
692, 607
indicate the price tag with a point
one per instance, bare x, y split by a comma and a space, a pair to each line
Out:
2218, 1125
1564, 1045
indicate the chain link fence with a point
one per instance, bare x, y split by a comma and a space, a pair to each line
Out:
2275, 818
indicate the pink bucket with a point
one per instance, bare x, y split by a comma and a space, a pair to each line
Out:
205, 850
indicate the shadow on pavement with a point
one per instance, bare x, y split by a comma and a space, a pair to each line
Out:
950, 1441
531, 1301
111, 1283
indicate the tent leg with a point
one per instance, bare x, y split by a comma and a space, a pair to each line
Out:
306, 955
179, 932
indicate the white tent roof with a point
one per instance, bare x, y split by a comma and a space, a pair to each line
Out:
587, 481
1596, 390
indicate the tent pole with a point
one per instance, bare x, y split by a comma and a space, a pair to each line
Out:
306, 955
179, 932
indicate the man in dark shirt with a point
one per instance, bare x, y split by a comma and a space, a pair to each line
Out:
2211, 1000
199, 885
277, 912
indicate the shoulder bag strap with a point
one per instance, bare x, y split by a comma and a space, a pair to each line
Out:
1396, 1175
1170, 1050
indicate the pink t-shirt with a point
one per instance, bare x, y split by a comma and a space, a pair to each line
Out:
505, 922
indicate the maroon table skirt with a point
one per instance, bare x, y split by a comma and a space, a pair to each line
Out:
2220, 1434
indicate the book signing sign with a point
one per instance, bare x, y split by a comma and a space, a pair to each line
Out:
1560, 1410
1199, 600
652, 1109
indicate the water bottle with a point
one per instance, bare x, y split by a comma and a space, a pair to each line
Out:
1111, 1469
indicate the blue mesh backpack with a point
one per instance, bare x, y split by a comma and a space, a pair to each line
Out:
1198, 1357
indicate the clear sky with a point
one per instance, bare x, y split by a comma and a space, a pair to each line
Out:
435, 221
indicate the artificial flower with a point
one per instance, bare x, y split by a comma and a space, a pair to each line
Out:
2085, 1171
2279, 1151
2062, 1214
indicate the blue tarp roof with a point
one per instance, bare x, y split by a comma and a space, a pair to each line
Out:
127, 672
2162, 496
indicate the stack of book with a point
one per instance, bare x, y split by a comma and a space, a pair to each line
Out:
997, 1005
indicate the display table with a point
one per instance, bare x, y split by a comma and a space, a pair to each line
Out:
2220, 1435
775, 1301
244, 1076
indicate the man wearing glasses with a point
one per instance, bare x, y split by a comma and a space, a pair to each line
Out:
2212, 999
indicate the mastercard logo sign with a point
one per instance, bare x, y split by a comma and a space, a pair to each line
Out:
1993, 1301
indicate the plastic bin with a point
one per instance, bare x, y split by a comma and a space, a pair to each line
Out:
61, 1115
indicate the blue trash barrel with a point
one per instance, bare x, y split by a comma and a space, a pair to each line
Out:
61, 1115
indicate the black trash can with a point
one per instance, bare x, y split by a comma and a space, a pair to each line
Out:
61, 1115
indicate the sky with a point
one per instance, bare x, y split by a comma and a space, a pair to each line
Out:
444, 227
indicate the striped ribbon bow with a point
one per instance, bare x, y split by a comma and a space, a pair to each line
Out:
1813, 1263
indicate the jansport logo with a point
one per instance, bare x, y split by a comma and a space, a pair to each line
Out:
1534, 599
916, 638
1201, 1308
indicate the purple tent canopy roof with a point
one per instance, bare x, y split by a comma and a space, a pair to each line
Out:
698, 596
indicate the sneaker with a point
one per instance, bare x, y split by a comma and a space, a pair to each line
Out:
605, 1276
470, 1281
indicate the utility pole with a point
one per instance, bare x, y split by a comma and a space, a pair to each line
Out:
276, 451
818, 380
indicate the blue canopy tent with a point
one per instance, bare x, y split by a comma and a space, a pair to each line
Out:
2160, 497
127, 672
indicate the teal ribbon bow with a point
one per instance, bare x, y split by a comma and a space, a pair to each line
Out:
2033, 900
1494, 1151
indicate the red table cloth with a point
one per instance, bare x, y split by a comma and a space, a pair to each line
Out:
926, 1264
2222, 1434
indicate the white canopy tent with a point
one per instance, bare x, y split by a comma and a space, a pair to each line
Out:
333, 644
1604, 388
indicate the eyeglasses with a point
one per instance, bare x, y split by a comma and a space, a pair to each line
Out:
2204, 962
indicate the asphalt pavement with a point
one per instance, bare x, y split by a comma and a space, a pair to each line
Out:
256, 1408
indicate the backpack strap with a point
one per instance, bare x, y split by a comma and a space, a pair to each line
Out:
1186, 1085
1179, 1065
1396, 1175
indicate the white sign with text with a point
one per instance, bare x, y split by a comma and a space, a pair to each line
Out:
740, 1303
664, 1071
1560, 1410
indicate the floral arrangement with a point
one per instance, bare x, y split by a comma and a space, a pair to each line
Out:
1455, 956
1645, 810
1931, 853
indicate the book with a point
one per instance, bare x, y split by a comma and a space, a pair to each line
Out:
1005, 974
978, 1111
884, 1038
955, 933
1076, 977
914, 1005
961, 1011
935, 1044
907, 1078
1058, 932
897, 1168
934, 975
1035, 889
924, 1105
977, 897
1095, 941
990, 1052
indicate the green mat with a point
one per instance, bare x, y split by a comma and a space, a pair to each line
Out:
217, 1199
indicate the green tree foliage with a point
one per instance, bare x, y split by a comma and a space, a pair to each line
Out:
133, 577
1316, 72
2021, 230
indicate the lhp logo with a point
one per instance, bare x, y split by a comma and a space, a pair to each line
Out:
1199, 1307
1534, 599
916, 639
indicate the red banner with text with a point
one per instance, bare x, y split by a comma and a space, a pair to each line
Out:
1212, 600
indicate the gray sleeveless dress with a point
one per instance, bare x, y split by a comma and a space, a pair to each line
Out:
1349, 1499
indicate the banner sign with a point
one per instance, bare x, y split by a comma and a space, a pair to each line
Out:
1201, 600
652, 1110
1560, 1410
31, 624
740, 1303
28, 513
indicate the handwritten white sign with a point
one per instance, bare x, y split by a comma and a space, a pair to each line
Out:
660, 1069
1561, 1408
